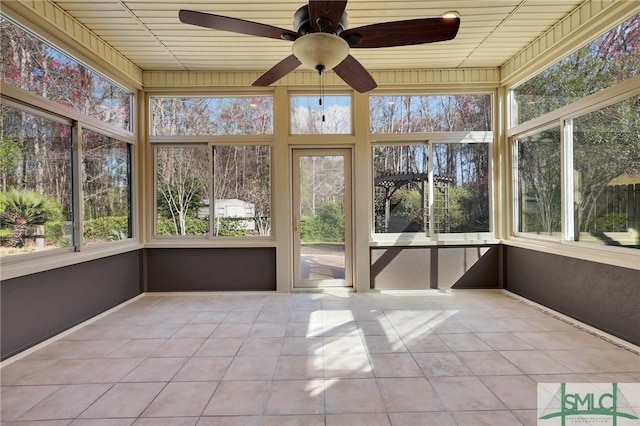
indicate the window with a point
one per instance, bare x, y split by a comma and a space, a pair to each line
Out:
538, 185
461, 187
241, 191
106, 188
35, 66
182, 175
320, 115
188, 116
429, 113
36, 210
401, 188
606, 164
611, 58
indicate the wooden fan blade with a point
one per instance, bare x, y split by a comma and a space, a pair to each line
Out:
332, 10
355, 75
278, 71
234, 25
402, 33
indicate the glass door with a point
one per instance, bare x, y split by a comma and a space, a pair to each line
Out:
322, 218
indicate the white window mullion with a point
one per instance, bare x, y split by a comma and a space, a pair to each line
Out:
567, 190
78, 196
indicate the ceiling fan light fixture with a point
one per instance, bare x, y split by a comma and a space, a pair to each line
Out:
450, 14
323, 49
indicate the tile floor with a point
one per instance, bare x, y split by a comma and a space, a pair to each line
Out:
435, 358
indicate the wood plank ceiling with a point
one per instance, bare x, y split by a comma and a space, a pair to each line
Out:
149, 33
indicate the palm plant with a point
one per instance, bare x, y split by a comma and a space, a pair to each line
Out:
24, 208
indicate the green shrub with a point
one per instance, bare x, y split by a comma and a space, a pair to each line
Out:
53, 232
195, 226
108, 228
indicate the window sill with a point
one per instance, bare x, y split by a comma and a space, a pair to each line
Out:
625, 258
207, 243
447, 240
31, 265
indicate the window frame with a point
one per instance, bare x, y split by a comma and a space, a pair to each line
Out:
563, 117
210, 240
309, 93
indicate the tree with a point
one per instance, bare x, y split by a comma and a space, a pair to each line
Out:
606, 142
181, 178
22, 209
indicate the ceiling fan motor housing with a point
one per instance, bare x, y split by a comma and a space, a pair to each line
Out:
302, 22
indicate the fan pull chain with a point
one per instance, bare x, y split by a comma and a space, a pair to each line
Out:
320, 69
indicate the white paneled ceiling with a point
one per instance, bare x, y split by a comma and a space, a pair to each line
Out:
149, 33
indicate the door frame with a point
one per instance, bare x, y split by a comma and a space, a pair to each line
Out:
347, 153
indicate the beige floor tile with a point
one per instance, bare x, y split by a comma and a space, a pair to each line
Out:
504, 341
194, 331
368, 315
230, 421
220, 347
58, 372
208, 318
68, 402
394, 365
293, 420
18, 370
155, 370
238, 398
296, 397
535, 362
257, 346
464, 342
231, 330
124, 400
203, 369
304, 329
16, 400
174, 348
109, 371
384, 344
299, 367
38, 423
241, 317
465, 393
488, 325
347, 366
424, 343
137, 348
526, 417
352, 396
376, 328
548, 323
251, 368
376, 419
447, 326
159, 331
488, 363
598, 360
77, 349
333, 329
486, 418
267, 330
515, 392
181, 400
102, 422
426, 418
302, 346
441, 364
409, 395
339, 345
171, 421
305, 316
273, 316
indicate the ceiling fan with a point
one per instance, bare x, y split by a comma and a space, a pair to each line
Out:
322, 41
